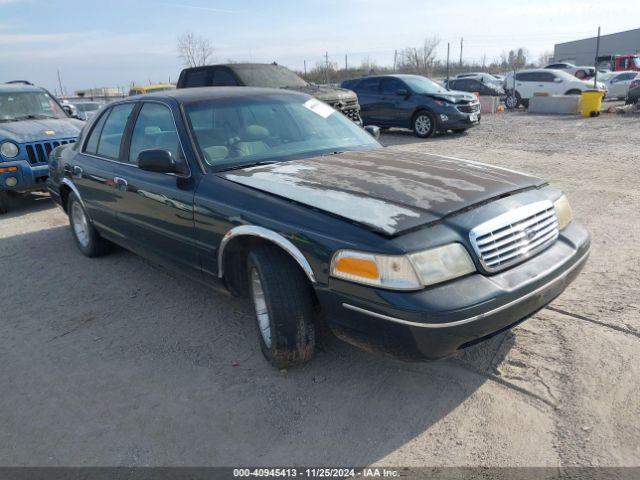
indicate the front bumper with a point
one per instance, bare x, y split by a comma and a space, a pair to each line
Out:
29, 177
436, 322
453, 119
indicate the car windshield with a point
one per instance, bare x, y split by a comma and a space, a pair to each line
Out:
236, 132
272, 76
15, 106
419, 84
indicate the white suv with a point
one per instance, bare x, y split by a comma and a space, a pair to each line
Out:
551, 82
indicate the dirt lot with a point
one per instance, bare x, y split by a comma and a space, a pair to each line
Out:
113, 361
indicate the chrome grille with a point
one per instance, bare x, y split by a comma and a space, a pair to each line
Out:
515, 236
469, 107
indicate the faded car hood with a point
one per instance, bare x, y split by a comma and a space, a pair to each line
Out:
328, 94
35, 130
455, 96
386, 190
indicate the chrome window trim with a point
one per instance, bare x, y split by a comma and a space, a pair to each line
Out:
480, 316
265, 233
142, 102
504, 220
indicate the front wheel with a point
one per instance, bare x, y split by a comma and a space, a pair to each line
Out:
424, 124
283, 302
4, 202
512, 101
89, 241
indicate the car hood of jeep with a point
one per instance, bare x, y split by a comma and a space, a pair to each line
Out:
385, 190
37, 130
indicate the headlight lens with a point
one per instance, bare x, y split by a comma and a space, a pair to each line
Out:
563, 212
9, 149
442, 263
387, 271
403, 272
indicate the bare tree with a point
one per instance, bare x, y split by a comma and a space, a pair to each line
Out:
194, 50
420, 59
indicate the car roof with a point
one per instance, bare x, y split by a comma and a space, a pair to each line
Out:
19, 87
196, 94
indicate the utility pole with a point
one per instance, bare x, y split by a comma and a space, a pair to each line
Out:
305, 67
448, 48
395, 60
346, 65
60, 84
461, 42
326, 67
595, 63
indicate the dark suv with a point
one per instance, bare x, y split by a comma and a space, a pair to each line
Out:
415, 102
269, 75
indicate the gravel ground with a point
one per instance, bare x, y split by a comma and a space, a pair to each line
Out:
113, 361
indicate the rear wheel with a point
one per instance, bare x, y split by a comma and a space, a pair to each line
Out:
85, 234
513, 100
424, 124
283, 302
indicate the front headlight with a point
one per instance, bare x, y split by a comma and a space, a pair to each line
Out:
563, 211
403, 272
9, 149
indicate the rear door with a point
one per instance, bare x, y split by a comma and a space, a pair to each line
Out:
93, 173
154, 209
368, 91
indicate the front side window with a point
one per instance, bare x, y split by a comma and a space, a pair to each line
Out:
154, 130
243, 131
113, 131
16, 106
391, 86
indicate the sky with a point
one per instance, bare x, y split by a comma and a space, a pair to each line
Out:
117, 42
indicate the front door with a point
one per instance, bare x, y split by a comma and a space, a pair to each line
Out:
155, 210
395, 110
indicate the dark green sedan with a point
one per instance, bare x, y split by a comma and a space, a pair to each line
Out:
287, 202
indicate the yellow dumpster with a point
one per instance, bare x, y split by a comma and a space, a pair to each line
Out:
591, 103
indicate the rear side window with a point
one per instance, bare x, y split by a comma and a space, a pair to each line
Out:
368, 85
154, 130
196, 78
92, 143
113, 131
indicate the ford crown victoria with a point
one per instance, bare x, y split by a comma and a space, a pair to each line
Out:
292, 205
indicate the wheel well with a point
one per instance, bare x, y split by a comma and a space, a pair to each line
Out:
419, 111
235, 262
65, 190
573, 91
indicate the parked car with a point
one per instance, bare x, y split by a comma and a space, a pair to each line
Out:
269, 75
634, 91
414, 102
474, 84
483, 77
145, 89
582, 73
32, 123
85, 110
287, 202
551, 82
618, 84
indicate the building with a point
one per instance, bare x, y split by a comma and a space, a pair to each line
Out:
583, 52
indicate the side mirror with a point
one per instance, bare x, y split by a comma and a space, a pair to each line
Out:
160, 161
403, 92
557, 80
373, 131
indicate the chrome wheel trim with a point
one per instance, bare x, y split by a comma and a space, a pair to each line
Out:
80, 224
422, 124
260, 304
511, 101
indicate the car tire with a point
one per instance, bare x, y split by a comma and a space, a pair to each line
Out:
284, 308
87, 238
573, 91
4, 202
513, 101
424, 124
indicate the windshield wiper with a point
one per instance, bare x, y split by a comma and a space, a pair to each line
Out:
245, 165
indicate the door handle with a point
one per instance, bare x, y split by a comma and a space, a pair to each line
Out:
121, 183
